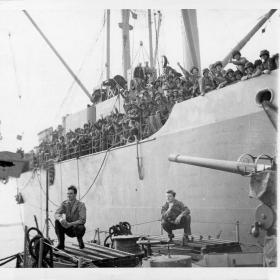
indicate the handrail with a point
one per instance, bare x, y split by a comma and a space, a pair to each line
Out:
94, 145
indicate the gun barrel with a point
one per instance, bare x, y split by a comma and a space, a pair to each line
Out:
241, 168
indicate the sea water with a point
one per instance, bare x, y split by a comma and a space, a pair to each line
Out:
11, 242
11, 217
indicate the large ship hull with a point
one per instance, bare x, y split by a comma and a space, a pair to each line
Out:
222, 125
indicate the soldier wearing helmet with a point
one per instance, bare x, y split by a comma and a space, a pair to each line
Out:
207, 83
266, 61
249, 70
238, 60
229, 78
238, 75
258, 68
194, 70
193, 76
219, 73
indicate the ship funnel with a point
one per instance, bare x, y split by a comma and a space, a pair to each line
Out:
264, 95
239, 166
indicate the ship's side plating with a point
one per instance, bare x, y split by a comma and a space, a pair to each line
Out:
222, 125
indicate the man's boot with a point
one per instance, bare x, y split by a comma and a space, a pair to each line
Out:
81, 242
60, 246
60, 235
185, 240
170, 236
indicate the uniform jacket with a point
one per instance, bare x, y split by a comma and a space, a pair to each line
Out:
267, 65
207, 82
177, 208
74, 213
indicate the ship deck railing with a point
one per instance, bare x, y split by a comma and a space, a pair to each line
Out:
101, 143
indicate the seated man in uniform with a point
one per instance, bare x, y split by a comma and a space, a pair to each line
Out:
75, 218
175, 215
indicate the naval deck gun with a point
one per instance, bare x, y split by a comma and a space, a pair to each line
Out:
263, 172
246, 164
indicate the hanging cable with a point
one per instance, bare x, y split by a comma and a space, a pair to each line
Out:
20, 214
60, 180
133, 32
95, 178
69, 90
136, 55
14, 65
28, 181
78, 177
39, 181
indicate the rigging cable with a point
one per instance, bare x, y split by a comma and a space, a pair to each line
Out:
103, 54
133, 32
29, 180
69, 91
78, 177
94, 180
20, 214
39, 181
14, 65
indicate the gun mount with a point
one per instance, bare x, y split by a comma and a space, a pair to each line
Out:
246, 164
263, 172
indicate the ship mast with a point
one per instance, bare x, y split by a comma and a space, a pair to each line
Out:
251, 33
47, 202
191, 48
108, 46
150, 39
124, 25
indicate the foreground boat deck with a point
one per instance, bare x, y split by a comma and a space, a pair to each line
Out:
94, 255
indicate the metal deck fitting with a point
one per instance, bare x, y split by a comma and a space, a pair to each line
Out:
196, 247
99, 256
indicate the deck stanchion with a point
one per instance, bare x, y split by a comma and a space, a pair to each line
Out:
237, 231
36, 221
25, 247
98, 236
41, 252
80, 259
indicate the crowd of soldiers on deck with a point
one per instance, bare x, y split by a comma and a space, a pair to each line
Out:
148, 101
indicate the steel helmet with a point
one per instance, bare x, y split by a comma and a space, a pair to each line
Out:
238, 72
205, 70
229, 70
218, 63
264, 52
249, 64
257, 62
235, 52
194, 67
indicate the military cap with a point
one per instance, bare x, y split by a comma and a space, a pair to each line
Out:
218, 63
249, 64
264, 52
235, 52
